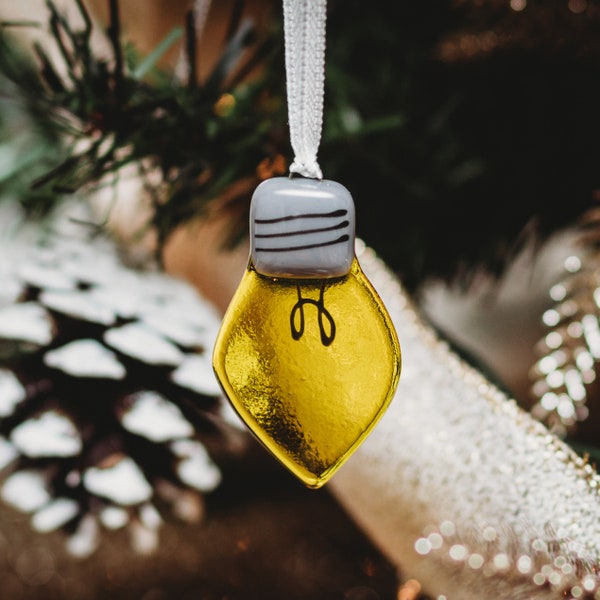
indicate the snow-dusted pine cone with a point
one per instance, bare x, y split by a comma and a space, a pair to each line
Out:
110, 415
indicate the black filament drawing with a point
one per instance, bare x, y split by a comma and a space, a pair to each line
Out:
323, 314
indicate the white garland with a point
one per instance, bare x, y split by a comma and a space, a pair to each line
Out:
464, 490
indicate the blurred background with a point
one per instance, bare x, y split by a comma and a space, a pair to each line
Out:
467, 132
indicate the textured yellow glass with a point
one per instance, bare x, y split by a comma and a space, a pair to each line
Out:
310, 365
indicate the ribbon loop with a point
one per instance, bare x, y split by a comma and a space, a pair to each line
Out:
304, 31
308, 168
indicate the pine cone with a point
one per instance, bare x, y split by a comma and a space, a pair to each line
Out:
110, 415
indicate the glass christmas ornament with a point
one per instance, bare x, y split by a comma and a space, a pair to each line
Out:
307, 353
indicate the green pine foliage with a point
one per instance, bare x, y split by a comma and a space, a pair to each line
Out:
473, 127
122, 110
461, 128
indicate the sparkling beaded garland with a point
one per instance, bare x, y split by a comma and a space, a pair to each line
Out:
458, 450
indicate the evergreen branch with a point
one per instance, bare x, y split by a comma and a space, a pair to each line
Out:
234, 21
192, 135
21, 23
191, 44
149, 62
114, 34
441, 135
58, 25
230, 57
48, 72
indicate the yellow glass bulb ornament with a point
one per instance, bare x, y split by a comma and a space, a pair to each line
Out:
307, 353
